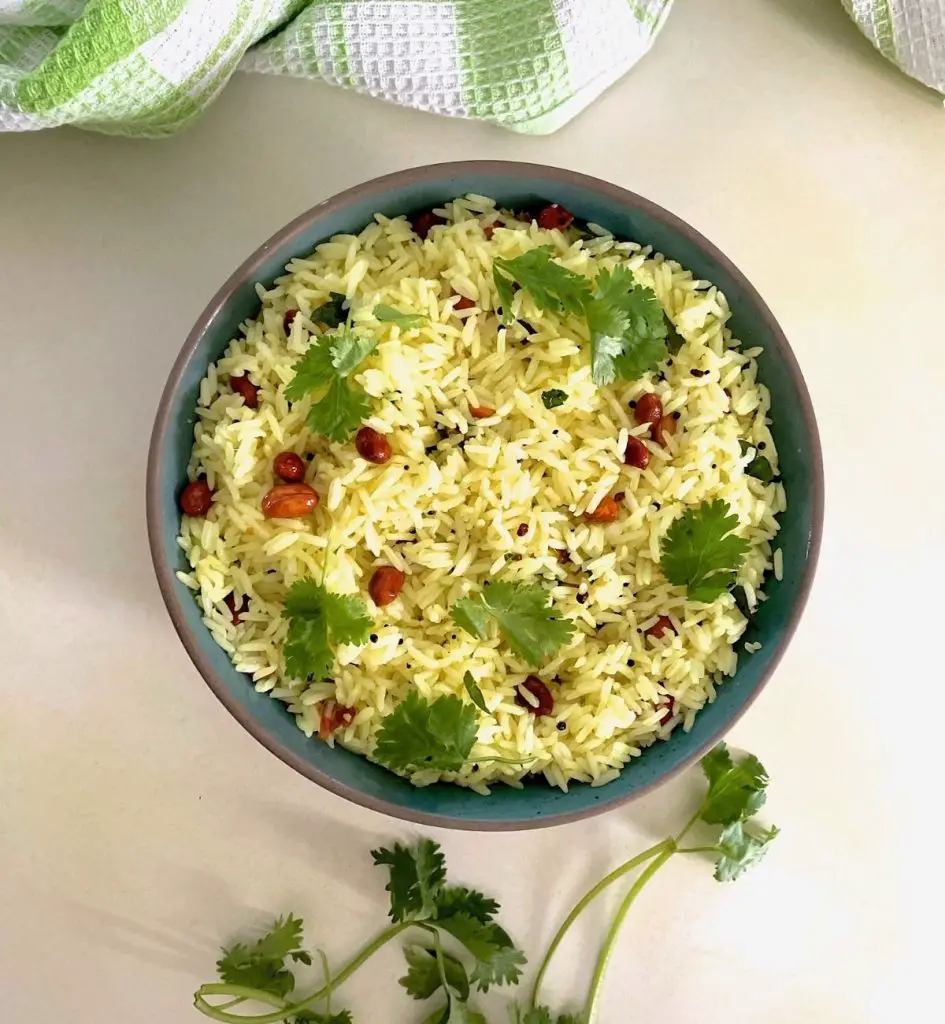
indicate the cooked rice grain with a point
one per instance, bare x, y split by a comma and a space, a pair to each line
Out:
446, 508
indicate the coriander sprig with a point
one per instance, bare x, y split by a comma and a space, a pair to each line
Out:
701, 551
319, 620
420, 898
531, 626
435, 734
627, 326
324, 370
735, 793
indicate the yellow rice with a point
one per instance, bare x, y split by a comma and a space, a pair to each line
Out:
448, 518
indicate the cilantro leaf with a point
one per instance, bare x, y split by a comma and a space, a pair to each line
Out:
674, 340
627, 327
760, 469
312, 371
318, 621
261, 964
542, 1015
739, 849
332, 313
418, 733
416, 877
348, 348
498, 962
701, 551
475, 694
323, 370
644, 338
312, 1017
536, 1015
456, 899
340, 412
531, 626
423, 977
390, 315
552, 286
736, 789
553, 398
455, 1011
607, 321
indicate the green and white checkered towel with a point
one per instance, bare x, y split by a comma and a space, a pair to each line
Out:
148, 67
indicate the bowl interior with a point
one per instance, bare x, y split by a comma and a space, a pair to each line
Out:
516, 186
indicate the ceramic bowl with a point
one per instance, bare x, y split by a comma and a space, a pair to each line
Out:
517, 186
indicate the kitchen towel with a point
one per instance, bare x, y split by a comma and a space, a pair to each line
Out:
148, 67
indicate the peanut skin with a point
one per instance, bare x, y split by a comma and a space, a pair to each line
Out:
289, 501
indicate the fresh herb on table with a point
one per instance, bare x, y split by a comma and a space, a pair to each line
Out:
554, 398
627, 325
532, 627
332, 313
701, 551
735, 793
319, 620
324, 370
261, 964
541, 1015
390, 315
421, 900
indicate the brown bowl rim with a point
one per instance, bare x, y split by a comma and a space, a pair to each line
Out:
247, 272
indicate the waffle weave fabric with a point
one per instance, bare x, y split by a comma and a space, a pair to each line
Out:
149, 67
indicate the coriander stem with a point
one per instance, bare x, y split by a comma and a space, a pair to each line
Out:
289, 1009
240, 993
697, 849
688, 824
665, 846
610, 939
326, 974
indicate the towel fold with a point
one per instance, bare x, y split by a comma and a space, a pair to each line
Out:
149, 67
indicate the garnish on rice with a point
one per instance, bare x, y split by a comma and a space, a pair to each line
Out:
324, 371
533, 629
626, 322
702, 552
319, 620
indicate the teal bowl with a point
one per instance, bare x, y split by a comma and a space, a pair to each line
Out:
517, 186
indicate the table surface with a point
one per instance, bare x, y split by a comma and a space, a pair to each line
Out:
140, 826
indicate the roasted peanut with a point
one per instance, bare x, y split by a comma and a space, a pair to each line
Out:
372, 446
196, 498
289, 467
289, 501
636, 454
386, 585
649, 409
534, 686
246, 389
